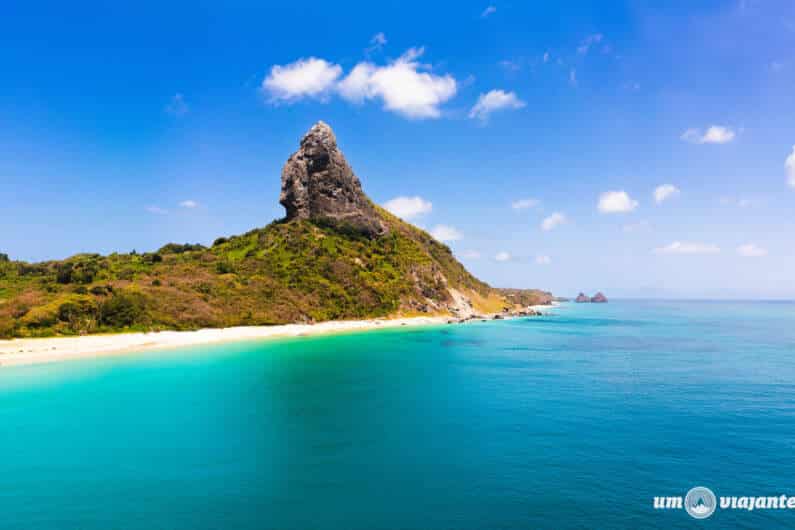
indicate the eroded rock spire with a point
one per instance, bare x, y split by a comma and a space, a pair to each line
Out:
318, 184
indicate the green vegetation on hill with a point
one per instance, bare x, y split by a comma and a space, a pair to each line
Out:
335, 256
296, 271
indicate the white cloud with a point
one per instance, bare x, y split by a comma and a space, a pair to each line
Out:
589, 41
523, 204
310, 77
715, 134
502, 256
156, 210
377, 42
446, 233
408, 207
664, 192
554, 220
177, 106
616, 202
679, 247
789, 163
545, 58
718, 135
488, 11
573, 77
400, 85
471, 254
356, 85
189, 204
750, 250
495, 100
543, 260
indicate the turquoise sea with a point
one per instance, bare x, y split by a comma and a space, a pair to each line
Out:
573, 420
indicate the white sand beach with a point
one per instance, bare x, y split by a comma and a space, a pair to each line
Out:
17, 352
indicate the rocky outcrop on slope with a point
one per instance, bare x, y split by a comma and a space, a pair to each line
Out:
318, 184
526, 297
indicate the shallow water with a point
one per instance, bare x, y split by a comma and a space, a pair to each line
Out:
575, 420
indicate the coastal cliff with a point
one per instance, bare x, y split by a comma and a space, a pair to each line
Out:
336, 255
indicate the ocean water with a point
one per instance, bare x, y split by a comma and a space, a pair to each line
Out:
573, 420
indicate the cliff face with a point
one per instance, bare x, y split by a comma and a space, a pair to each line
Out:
319, 185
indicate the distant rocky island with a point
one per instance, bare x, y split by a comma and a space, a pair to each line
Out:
598, 298
336, 255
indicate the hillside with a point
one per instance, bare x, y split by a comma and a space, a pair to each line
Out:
335, 256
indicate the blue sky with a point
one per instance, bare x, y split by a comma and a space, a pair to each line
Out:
130, 125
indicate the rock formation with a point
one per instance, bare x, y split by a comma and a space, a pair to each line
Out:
285, 272
599, 298
582, 298
318, 184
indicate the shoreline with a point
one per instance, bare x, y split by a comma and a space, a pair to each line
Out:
28, 351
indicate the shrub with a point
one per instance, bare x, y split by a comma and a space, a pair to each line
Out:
32, 269
122, 310
223, 267
83, 275
63, 273
73, 312
4, 258
220, 241
40, 317
99, 290
7, 327
176, 248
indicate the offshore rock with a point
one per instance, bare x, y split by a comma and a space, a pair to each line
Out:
582, 298
599, 298
319, 185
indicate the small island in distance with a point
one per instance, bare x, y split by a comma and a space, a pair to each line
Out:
598, 298
335, 256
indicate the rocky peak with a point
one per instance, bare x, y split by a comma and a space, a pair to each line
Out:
318, 184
